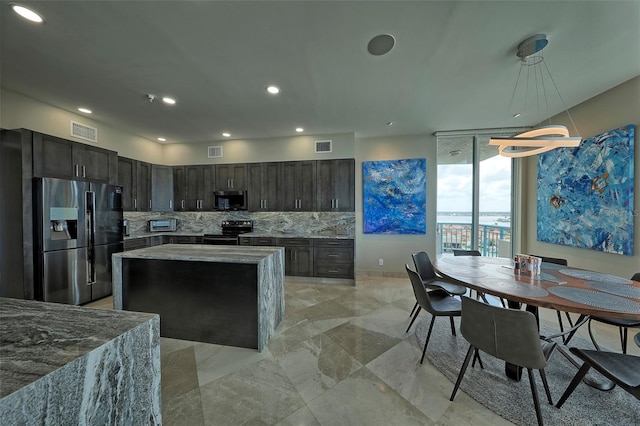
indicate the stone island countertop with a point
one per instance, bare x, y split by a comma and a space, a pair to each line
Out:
201, 253
64, 364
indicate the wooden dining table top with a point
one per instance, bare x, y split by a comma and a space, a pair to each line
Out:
556, 287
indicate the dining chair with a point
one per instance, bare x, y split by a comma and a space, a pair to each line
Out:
622, 369
466, 253
431, 280
622, 324
437, 302
637, 339
562, 262
507, 334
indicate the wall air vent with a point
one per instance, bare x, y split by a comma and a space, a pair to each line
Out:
214, 152
323, 146
85, 132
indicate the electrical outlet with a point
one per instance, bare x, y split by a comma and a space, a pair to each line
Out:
380, 262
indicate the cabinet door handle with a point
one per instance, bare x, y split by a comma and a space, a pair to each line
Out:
135, 203
170, 204
266, 204
182, 204
333, 271
76, 171
337, 203
149, 204
232, 183
84, 174
332, 255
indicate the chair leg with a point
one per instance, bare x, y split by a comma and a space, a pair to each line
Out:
534, 393
465, 364
453, 327
543, 376
426, 341
623, 339
560, 324
414, 308
574, 383
593, 340
413, 319
476, 356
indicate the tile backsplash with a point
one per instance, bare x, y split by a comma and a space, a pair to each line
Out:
342, 223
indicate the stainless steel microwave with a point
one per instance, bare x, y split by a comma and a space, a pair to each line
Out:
230, 200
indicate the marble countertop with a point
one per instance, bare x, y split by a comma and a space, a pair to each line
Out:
249, 234
201, 253
37, 338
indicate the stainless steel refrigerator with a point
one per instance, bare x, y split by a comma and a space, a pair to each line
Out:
79, 227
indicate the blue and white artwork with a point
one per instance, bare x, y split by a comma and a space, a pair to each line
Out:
585, 194
395, 196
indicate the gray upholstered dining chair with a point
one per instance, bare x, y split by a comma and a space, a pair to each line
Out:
437, 302
622, 324
431, 280
508, 334
622, 369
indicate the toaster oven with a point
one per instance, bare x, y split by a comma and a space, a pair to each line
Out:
163, 225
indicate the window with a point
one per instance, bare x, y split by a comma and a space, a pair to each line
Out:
474, 196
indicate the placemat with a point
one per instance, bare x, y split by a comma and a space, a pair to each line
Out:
596, 299
617, 289
594, 276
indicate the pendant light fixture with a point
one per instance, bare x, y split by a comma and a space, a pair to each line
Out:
545, 137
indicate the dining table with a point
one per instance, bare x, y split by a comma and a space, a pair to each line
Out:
584, 292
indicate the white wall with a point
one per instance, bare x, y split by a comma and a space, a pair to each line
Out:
19, 111
261, 150
612, 109
396, 250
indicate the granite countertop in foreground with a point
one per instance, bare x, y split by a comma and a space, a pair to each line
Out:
201, 253
37, 338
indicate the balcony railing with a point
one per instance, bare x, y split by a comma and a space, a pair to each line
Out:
493, 240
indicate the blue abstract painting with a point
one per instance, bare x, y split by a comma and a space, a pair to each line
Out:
395, 196
585, 194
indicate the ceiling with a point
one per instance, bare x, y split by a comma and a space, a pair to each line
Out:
453, 65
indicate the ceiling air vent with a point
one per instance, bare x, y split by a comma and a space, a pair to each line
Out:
85, 132
214, 152
323, 146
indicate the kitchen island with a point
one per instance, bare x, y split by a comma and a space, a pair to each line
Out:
68, 365
228, 295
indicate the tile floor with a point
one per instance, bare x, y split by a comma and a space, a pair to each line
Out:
340, 357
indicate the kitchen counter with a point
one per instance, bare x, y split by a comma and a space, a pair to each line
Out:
63, 364
229, 295
249, 234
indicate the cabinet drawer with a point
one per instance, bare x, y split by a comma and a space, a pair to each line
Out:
333, 255
297, 242
333, 270
264, 241
332, 242
182, 239
135, 244
245, 241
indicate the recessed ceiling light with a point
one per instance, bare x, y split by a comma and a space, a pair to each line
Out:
391, 123
299, 129
274, 90
168, 100
226, 134
162, 139
455, 153
85, 110
27, 13
516, 115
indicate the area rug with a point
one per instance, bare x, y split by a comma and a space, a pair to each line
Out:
512, 400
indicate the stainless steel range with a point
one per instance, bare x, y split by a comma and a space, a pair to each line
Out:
230, 231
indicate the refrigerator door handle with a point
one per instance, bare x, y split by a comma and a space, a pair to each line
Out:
91, 233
